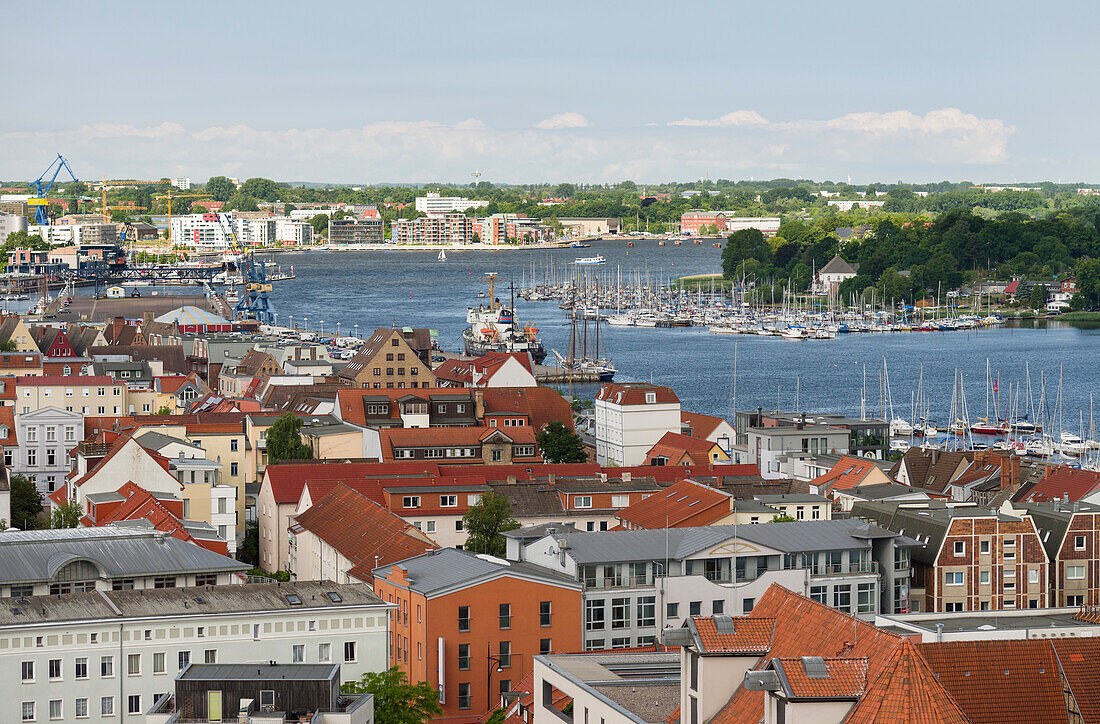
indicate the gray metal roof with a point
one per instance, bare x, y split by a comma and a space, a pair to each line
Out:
447, 568
153, 440
260, 672
37, 555
793, 537
168, 602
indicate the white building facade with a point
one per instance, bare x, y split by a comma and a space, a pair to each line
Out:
45, 437
433, 203
630, 419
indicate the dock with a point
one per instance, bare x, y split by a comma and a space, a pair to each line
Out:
554, 375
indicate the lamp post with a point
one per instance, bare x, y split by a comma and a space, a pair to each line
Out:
357, 331
322, 328
305, 324
337, 329
489, 661
276, 319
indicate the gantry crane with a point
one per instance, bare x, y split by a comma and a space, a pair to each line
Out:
253, 304
41, 202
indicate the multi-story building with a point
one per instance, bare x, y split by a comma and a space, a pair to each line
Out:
631, 418
205, 232
594, 226
638, 582
84, 394
182, 183
433, 203
296, 233
447, 229
1071, 536
355, 231
970, 559
111, 655
448, 604
74, 560
869, 438
387, 361
777, 451
46, 436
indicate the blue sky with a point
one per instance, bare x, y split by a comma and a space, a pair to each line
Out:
576, 91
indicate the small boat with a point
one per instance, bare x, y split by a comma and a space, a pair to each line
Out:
579, 245
677, 243
661, 243
590, 260
442, 255
630, 243
717, 245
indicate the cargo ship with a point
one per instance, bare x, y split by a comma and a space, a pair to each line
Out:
493, 328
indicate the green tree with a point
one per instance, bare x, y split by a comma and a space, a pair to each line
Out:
66, 516
220, 188
782, 519
164, 410
565, 191
26, 503
260, 188
559, 444
484, 523
1088, 280
284, 442
1038, 296
8, 345
241, 202
396, 701
249, 552
319, 223
23, 240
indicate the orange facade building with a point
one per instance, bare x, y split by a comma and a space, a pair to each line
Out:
470, 625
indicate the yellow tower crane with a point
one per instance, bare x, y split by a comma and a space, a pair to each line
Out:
171, 196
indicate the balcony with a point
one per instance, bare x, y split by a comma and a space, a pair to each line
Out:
857, 568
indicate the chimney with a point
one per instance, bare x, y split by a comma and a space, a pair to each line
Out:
511, 479
479, 404
551, 479
626, 476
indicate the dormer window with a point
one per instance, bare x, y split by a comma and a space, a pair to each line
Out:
650, 398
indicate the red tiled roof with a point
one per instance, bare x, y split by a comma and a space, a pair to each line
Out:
847, 678
1079, 659
997, 681
751, 634
908, 694
846, 474
541, 404
364, 532
634, 393
7, 420
701, 425
684, 503
1062, 481
484, 367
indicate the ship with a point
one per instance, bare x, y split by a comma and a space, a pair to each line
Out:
493, 329
589, 260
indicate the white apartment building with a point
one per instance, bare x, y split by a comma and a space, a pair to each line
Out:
630, 419
182, 183
433, 203
46, 436
260, 232
778, 450
108, 656
297, 233
86, 394
846, 205
204, 232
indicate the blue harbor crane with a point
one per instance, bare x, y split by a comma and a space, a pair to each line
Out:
254, 303
42, 189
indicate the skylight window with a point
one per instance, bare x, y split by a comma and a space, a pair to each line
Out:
294, 599
334, 597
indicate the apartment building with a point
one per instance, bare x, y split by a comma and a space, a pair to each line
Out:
210, 232
778, 451
293, 233
86, 395
638, 582
387, 361
74, 560
453, 229
355, 231
630, 419
448, 604
433, 203
970, 559
45, 436
1071, 537
108, 656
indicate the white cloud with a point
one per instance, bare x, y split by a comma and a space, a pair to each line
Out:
563, 120
750, 119
938, 144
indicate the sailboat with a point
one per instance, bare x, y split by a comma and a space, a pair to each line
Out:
442, 255
985, 426
899, 426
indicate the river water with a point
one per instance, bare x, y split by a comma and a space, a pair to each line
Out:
413, 288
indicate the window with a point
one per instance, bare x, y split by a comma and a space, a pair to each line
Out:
695, 608
1033, 575
672, 610
158, 663
582, 501
819, 594
717, 607
647, 611
107, 706
505, 656
747, 605
28, 711
544, 613
164, 582
203, 579
983, 547
594, 615
544, 646
842, 598
107, 667
983, 578
349, 651
464, 696
28, 671
133, 664
81, 667
32, 457
448, 501
650, 398
324, 653
463, 618
32, 434
410, 501
1079, 542
298, 653
620, 501
620, 613
505, 616
593, 644
233, 468
953, 578
429, 526
953, 607
1075, 572
184, 659
133, 704
464, 657
81, 708
960, 548
865, 598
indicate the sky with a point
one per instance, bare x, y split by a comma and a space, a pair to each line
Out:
585, 92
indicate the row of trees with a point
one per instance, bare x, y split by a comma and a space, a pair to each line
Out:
27, 512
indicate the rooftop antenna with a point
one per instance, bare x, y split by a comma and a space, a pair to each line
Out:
477, 175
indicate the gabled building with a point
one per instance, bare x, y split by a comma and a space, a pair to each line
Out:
493, 369
829, 277
454, 445
52, 342
970, 559
933, 470
1065, 483
1070, 533
849, 472
709, 427
14, 331
630, 418
387, 361
682, 450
